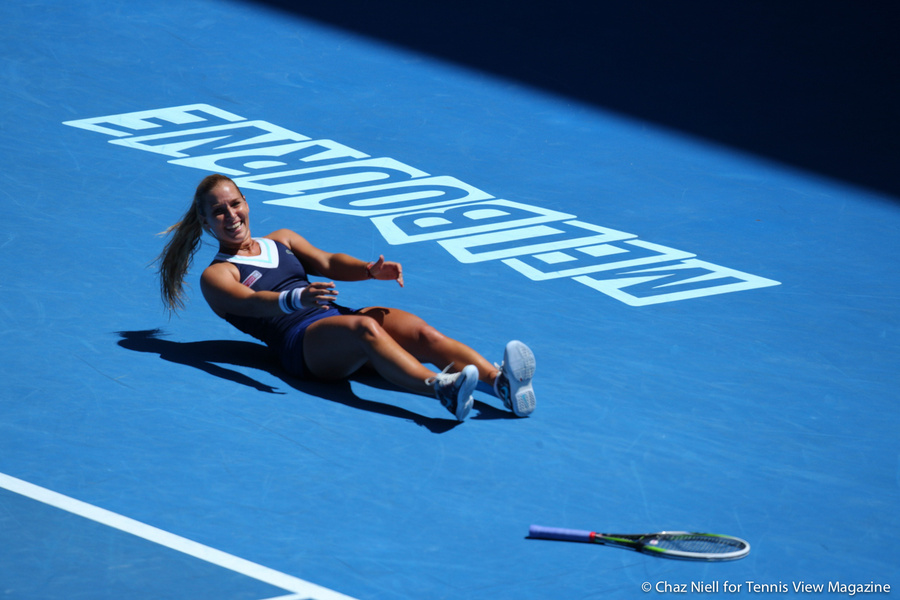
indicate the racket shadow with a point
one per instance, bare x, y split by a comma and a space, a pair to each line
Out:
211, 356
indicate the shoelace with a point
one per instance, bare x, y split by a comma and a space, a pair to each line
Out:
439, 376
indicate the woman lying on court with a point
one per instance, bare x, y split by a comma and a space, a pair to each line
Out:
261, 286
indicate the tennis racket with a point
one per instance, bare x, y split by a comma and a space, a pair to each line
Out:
671, 544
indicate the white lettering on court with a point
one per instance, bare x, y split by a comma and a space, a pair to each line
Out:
410, 206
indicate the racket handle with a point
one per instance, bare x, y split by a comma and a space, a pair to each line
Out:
556, 533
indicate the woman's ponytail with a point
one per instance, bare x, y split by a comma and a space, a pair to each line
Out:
178, 253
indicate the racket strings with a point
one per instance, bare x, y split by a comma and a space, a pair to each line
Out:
698, 544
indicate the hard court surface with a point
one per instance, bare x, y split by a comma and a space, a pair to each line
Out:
714, 310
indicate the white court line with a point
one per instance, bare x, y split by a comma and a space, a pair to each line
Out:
302, 589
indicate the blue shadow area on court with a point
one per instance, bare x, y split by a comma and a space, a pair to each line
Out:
807, 84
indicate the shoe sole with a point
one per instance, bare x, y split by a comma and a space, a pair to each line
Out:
520, 363
470, 373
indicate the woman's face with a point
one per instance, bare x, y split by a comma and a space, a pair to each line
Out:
226, 214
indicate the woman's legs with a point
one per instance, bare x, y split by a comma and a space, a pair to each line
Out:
336, 347
427, 344
393, 341
396, 343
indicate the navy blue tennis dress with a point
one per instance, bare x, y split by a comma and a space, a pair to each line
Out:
277, 269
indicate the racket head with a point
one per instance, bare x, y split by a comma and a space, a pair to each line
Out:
684, 545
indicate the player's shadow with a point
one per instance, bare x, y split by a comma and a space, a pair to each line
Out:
210, 356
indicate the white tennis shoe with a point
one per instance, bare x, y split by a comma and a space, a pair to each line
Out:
513, 384
454, 390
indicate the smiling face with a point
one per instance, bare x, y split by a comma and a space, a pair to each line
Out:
225, 216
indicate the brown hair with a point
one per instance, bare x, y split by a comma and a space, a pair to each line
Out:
178, 253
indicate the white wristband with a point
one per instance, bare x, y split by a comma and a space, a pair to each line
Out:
289, 301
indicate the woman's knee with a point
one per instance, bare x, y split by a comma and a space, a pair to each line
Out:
428, 336
410, 331
365, 329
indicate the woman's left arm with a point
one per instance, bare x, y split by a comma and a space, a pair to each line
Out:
337, 265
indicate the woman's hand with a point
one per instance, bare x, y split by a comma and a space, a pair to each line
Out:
320, 293
385, 270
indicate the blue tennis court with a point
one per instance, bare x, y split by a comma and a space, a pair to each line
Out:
713, 304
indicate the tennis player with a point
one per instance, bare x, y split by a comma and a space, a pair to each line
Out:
262, 287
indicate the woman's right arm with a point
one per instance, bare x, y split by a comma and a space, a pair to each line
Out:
225, 294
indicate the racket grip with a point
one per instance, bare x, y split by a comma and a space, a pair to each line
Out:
556, 533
